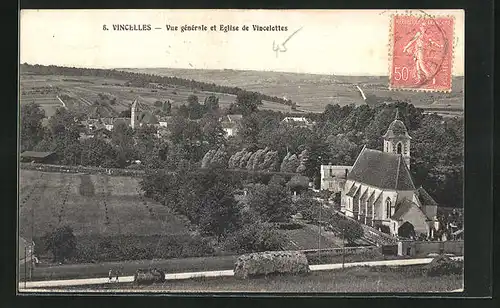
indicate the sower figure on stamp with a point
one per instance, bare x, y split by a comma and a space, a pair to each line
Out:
419, 53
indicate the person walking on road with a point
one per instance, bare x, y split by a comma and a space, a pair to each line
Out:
110, 275
117, 274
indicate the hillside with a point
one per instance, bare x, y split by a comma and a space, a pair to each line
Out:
81, 93
91, 205
313, 92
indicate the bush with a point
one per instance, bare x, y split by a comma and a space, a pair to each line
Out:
255, 237
443, 265
271, 262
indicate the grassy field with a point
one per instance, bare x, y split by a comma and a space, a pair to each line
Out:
90, 204
349, 280
313, 92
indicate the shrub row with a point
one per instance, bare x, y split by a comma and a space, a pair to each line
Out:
96, 248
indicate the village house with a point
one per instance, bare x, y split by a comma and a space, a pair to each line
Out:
230, 124
379, 190
300, 121
333, 177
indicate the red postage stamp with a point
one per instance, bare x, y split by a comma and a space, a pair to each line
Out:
421, 53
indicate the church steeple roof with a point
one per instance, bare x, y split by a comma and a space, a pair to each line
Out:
396, 129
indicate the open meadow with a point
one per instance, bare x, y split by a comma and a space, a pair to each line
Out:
349, 280
313, 92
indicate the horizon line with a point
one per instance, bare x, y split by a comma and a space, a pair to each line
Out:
219, 69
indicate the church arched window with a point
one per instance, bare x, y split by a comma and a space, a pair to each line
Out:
400, 148
388, 207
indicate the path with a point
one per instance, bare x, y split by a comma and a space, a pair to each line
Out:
189, 275
64, 105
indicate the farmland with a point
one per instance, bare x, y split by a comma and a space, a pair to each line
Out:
313, 92
91, 204
79, 93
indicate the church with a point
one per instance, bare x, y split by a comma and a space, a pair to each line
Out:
379, 190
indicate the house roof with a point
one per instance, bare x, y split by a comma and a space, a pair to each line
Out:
370, 197
402, 208
107, 121
234, 117
352, 191
147, 117
36, 154
424, 197
382, 170
227, 124
363, 194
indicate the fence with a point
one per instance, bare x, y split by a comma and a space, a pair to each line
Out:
339, 251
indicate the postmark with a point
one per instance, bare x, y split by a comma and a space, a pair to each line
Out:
421, 56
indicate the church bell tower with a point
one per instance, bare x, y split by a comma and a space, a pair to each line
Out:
132, 114
397, 140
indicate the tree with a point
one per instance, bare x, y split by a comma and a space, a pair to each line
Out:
211, 103
249, 130
31, 125
64, 127
303, 158
219, 211
212, 130
61, 242
272, 202
290, 163
167, 107
308, 207
248, 102
351, 230
145, 140
341, 150
195, 109
123, 142
298, 183
255, 237
99, 153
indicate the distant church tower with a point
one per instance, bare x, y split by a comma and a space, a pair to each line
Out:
397, 140
132, 114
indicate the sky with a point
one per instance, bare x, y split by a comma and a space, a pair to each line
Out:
341, 42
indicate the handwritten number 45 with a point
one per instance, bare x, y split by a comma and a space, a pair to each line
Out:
401, 73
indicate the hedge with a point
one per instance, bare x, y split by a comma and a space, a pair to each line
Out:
98, 248
271, 262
